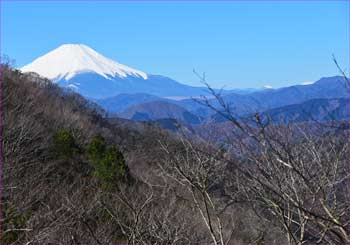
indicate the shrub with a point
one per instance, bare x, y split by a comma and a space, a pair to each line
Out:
96, 149
64, 144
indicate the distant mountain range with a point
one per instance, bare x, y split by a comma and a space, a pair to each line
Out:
134, 94
130, 105
325, 88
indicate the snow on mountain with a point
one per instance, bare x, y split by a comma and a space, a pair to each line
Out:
80, 68
68, 60
307, 83
267, 87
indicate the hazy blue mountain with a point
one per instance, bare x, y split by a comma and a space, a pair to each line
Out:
95, 86
242, 105
154, 110
327, 87
121, 102
311, 110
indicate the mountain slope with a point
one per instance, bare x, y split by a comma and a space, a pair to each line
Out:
155, 110
121, 102
58, 197
311, 110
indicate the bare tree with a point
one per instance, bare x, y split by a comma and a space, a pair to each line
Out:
200, 173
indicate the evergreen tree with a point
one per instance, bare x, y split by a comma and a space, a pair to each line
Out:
109, 162
64, 144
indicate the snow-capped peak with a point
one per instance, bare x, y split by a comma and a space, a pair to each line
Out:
68, 60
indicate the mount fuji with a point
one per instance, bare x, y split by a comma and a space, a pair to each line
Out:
82, 69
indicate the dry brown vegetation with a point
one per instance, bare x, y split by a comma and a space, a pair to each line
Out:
269, 184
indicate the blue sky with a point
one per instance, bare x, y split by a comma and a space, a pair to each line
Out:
237, 44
